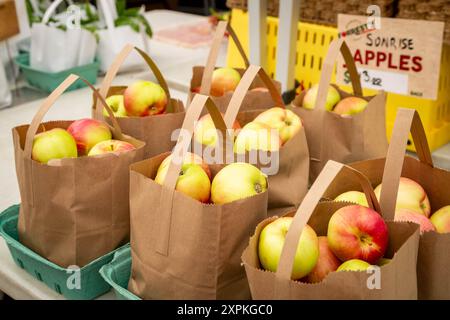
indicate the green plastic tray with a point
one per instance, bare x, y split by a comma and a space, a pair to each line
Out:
49, 81
55, 277
117, 273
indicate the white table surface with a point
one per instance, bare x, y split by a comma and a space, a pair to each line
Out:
176, 65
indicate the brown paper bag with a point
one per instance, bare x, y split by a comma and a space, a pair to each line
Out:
202, 76
342, 138
181, 248
73, 210
398, 278
155, 130
289, 184
434, 260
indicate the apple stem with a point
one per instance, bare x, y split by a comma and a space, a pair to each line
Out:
258, 188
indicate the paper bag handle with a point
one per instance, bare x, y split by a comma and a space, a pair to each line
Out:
306, 209
222, 26
181, 148
407, 120
242, 89
336, 46
50, 100
115, 66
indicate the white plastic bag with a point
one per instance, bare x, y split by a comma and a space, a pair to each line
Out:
113, 39
54, 50
5, 92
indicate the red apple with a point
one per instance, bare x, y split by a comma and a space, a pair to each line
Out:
408, 215
111, 146
350, 106
271, 242
192, 181
357, 232
285, 121
56, 143
410, 196
205, 132
144, 98
441, 219
87, 133
326, 263
224, 80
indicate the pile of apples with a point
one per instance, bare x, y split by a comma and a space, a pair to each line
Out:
269, 131
345, 107
225, 80
357, 238
140, 99
412, 205
85, 137
233, 182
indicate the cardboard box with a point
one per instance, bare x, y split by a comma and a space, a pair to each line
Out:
9, 24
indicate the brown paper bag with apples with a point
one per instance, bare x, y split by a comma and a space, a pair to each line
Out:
288, 178
430, 186
343, 138
154, 129
73, 210
220, 87
394, 280
182, 248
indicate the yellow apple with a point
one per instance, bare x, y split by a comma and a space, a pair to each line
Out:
285, 121
257, 136
116, 103
56, 143
410, 196
205, 132
441, 219
237, 181
192, 181
271, 243
224, 80
350, 106
354, 197
309, 100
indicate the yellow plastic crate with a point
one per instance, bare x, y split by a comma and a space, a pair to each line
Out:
312, 46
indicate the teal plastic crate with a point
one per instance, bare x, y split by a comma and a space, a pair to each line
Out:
49, 81
55, 277
117, 273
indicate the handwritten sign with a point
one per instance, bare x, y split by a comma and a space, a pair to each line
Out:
402, 56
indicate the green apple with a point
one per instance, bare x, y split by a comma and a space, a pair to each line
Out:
237, 181
354, 265
309, 100
350, 106
117, 106
410, 196
224, 80
192, 181
441, 220
56, 143
271, 242
257, 136
354, 197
